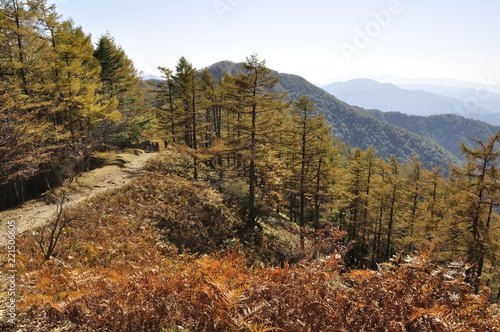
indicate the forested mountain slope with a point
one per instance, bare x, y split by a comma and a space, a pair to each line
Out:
446, 129
355, 125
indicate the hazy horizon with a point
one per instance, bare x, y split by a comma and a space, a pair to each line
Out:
322, 41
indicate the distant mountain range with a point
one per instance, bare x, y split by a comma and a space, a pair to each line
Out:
420, 99
434, 139
359, 128
483, 96
152, 78
446, 129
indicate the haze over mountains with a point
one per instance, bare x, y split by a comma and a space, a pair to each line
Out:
481, 103
484, 96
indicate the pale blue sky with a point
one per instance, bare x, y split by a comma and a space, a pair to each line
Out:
323, 41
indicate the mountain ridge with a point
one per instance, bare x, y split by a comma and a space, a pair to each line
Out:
388, 97
356, 126
445, 129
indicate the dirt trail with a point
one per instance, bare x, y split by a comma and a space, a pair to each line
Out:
38, 212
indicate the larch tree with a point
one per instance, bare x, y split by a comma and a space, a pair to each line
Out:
476, 183
167, 104
311, 149
256, 119
436, 206
356, 188
54, 110
211, 103
21, 144
76, 81
394, 180
187, 87
24, 56
379, 197
415, 227
361, 210
25, 48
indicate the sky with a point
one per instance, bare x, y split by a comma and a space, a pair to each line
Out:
323, 41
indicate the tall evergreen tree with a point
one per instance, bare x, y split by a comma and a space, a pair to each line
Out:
121, 94
167, 105
187, 87
311, 149
477, 186
258, 106
118, 74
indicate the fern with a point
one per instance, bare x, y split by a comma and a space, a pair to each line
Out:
261, 328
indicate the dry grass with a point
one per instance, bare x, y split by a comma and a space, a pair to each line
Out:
163, 254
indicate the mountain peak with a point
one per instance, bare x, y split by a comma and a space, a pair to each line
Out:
152, 78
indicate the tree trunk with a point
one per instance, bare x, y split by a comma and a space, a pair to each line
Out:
252, 213
390, 225
317, 202
195, 139
22, 72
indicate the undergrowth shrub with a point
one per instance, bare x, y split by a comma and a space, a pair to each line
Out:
194, 217
220, 293
118, 269
172, 162
318, 243
235, 193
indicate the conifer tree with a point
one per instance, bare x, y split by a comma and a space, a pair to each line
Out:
75, 80
356, 188
259, 105
167, 105
477, 188
187, 86
420, 190
24, 47
394, 180
121, 95
118, 74
312, 146
362, 212
212, 105
379, 196
25, 57
21, 143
